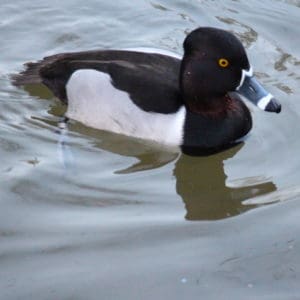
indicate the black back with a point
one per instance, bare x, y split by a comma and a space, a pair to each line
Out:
151, 80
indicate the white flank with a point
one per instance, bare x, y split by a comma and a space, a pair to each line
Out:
95, 102
263, 102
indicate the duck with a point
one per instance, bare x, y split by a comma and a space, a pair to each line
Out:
196, 102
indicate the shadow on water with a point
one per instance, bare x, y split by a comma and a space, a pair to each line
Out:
200, 181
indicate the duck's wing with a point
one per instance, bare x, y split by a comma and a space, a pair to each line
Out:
150, 79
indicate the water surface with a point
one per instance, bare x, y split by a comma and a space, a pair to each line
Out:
110, 217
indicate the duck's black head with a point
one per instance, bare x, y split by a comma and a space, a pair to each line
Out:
214, 64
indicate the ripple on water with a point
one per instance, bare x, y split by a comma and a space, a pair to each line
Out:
109, 217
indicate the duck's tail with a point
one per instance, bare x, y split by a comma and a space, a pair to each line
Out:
31, 74
46, 72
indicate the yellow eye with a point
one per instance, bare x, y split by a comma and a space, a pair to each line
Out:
223, 62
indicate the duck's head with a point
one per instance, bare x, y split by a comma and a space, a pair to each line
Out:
215, 64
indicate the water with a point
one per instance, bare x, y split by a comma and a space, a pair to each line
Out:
122, 219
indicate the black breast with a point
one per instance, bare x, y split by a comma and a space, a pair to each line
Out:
205, 135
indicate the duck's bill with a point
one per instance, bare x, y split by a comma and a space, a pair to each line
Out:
253, 91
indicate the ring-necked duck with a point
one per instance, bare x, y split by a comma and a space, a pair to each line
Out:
193, 103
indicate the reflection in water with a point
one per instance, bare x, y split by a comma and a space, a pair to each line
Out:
39, 91
201, 183
149, 155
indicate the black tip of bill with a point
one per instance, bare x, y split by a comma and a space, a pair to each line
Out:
273, 106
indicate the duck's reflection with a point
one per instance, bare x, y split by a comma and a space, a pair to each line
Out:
201, 183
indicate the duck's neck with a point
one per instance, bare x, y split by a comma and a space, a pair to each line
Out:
214, 119
199, 95
213, 107
211, 132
